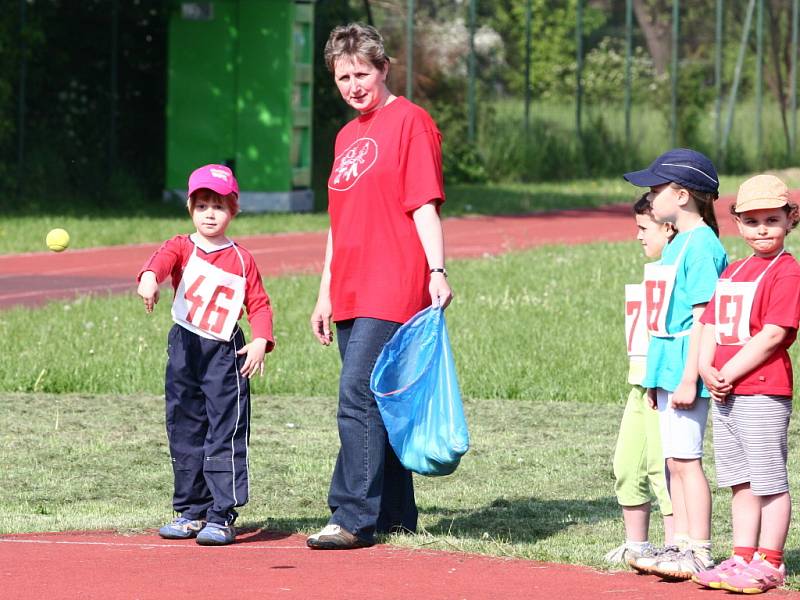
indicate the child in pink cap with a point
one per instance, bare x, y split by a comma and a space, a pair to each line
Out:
749, 325
209, 364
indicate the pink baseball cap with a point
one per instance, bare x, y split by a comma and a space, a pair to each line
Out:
217, 178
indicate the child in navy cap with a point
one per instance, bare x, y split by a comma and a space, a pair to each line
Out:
683, 186
681, 166
209, 364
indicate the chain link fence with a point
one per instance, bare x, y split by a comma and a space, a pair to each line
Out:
536, 89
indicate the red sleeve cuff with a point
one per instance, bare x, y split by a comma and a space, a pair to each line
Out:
261, 327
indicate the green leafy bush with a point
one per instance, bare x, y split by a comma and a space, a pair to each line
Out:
550, 151
462, 161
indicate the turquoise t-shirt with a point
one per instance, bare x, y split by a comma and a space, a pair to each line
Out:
695, 281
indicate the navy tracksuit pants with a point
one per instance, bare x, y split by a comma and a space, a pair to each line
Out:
208, 425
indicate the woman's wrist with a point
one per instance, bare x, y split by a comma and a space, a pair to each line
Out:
440, 270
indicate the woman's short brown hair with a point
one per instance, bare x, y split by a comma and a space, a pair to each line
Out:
356, 40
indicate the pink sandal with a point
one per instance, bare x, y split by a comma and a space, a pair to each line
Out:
756, 578
714, 578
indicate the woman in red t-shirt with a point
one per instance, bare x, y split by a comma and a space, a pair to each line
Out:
384, 262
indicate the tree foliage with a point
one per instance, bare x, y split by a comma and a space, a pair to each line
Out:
70, 108
553, 57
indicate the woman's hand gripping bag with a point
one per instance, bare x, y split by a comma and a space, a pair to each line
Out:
415, 386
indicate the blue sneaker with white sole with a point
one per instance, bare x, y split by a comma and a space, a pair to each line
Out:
181, 529
215, 534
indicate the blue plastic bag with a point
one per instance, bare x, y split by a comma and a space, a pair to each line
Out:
415, 386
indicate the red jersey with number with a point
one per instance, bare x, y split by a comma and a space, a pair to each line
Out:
172, 256
388, 163
776, 302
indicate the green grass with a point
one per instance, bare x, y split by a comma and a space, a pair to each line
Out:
109, 345
543, 324
91, 226
537, 482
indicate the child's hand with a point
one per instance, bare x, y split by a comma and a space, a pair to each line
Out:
148, 290
652, 398
711, 377
683, 398
715, 382
719, 397
725, 387
255, 351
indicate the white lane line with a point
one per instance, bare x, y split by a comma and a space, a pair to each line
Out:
240, 545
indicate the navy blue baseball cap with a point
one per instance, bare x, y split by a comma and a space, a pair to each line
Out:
685, 167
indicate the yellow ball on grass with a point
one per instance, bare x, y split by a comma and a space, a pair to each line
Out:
57, 240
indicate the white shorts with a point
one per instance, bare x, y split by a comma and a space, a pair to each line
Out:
682, 430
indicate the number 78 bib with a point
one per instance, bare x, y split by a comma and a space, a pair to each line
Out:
659, 283
635, 326
209, 300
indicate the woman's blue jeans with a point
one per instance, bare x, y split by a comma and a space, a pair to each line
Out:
370, 490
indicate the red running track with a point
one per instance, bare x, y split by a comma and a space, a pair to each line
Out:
265, 565
34, 278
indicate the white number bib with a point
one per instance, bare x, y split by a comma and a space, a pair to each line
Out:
208, 300
733, 303
659, 283
635, 325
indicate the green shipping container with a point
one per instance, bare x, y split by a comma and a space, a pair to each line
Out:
239, 93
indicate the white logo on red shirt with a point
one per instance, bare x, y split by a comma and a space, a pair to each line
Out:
351, 164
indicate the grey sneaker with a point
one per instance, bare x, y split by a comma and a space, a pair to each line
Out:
215, 534
681, 566
623, 555
181, 529
649, 559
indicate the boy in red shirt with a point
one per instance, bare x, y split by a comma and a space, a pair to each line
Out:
207, 388
748, 328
